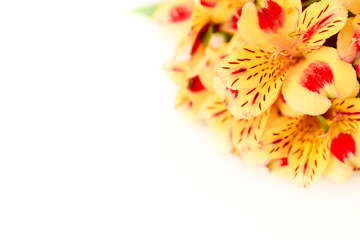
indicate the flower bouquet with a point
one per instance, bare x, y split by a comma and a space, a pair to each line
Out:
276, 80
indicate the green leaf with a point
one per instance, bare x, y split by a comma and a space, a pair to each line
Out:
147, 10
323, 123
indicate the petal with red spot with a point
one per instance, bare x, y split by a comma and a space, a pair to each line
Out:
268, 24
344, 160
314, 81
316, 76
272, 17
343, 146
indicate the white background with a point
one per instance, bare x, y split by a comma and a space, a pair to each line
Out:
91, 147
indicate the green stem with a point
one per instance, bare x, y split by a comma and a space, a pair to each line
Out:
323, 123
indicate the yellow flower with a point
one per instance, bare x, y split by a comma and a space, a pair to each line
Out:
282, 56
302, 148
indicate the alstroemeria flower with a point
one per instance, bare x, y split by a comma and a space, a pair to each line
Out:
348, 43
302, 148
282, 56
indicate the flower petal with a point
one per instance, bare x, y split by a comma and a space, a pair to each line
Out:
215, 114
219, 119
246, 134
174, 11
268, 26
298, 150
251, 80
253, 157
343, 147
177, 71
200, 18
208, 3
356, 26
322, 76
285, 108
352, 5
357, 67
346, 44
344, 160
201, 28
348, 113
190, 103
320, 21
249, 103
175, 19
338, 171
249, 67
223, 12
